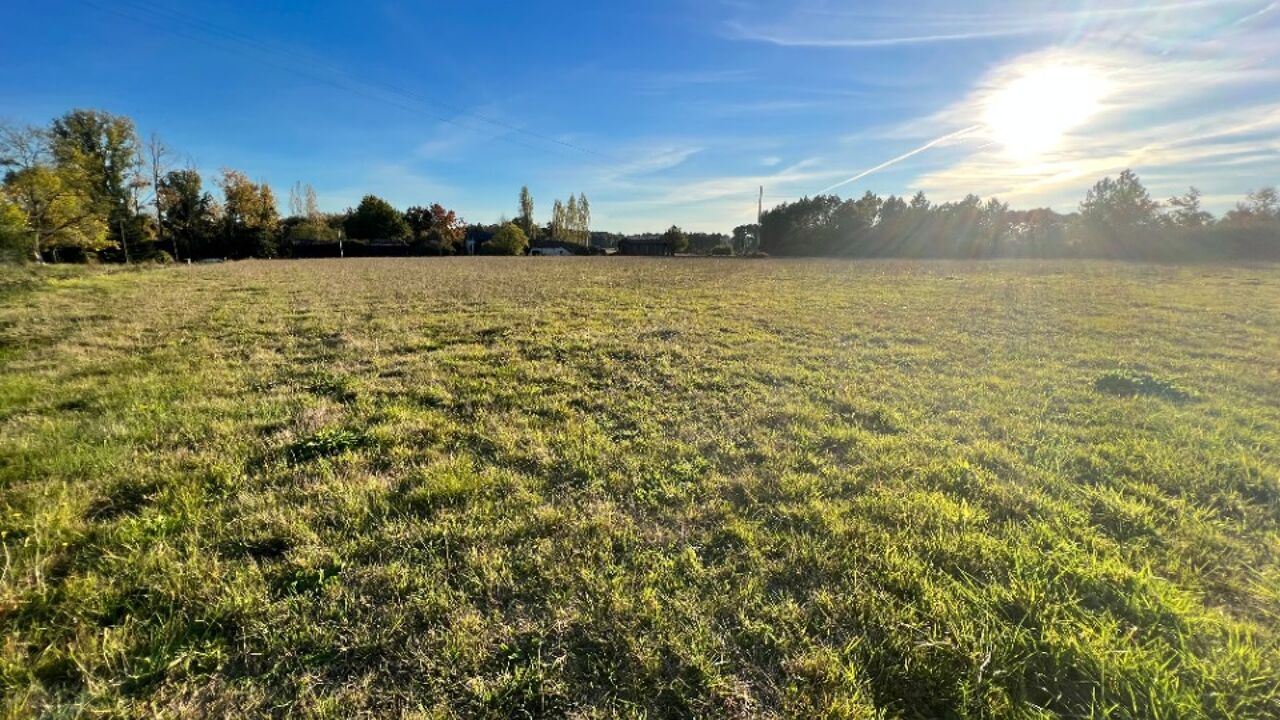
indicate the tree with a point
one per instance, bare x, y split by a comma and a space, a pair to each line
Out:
1119, 205
105, 150
446, 230
250, 218
525, 220
558, 222
303, 202
509, 240
571, 219
745, 238
15, 239
805, 227
676, 238
1260, 207
1186, 212
23, 146
157, 163
190, 216
59, 213
54, 201
376, 219
584, 220
419, 221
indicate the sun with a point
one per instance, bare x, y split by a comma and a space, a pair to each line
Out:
1032, 112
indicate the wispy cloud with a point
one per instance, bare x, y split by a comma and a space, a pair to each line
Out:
786, 38
816, 25
1209, 118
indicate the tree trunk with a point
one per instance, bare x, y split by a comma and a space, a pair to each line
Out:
124, 242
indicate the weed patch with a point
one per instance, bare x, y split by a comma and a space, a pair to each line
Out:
1130, 384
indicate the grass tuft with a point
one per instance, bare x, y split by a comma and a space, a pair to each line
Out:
1132, 384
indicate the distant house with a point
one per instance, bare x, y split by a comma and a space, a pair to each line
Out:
556, 247
645, 246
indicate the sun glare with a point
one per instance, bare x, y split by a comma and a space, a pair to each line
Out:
1031, 114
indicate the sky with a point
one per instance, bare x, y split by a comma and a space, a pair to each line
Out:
673, 111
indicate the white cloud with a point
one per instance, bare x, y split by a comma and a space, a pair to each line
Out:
814, 24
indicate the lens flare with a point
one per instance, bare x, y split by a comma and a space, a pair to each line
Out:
1034, 111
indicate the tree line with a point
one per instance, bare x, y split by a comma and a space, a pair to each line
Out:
87, 186
1117, 219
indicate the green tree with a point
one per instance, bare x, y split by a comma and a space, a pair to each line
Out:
676, 238
419, 221
745, 238
1186, 212
59, 214
509, 240
1118, 205
1260, 208
189, 215
15, 238
104, 148
377, 219
526, 214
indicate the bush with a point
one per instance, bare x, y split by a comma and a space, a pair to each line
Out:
722, 250
509, 240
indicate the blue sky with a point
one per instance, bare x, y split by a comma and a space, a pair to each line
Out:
672, 111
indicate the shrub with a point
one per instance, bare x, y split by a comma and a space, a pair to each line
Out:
509, 240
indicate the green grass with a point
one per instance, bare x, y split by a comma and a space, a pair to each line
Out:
624, 487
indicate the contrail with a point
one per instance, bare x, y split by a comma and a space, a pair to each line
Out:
900, 158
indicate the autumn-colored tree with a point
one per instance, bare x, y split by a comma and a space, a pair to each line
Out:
584, 220
250, 218
558, 221
446, 230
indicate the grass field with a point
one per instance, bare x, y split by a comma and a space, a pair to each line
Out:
625, 487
